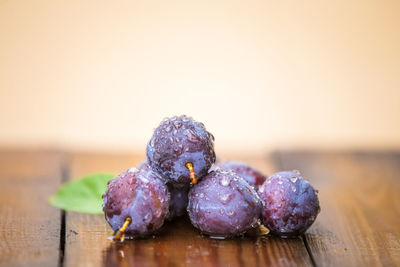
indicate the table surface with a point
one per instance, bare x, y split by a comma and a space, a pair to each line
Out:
359, 223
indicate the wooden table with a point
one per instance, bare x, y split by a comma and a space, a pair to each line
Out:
359, 224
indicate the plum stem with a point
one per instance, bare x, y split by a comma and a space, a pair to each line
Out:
120, 234
193, 175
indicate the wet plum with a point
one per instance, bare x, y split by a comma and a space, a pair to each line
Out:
223, 204
138, 194
290, 204
177, 142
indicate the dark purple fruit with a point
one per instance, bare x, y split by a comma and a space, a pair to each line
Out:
291, 204
179, 200
176, 142
223, 204
252, 176
140, 195
178, 195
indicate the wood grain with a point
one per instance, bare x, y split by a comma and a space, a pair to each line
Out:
359, 224
29, 227
179, 244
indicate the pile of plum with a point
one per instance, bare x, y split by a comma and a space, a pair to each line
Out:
222, 199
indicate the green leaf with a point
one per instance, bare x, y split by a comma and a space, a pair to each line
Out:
82, 195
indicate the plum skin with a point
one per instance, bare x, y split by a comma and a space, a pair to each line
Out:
139, 194
252, 176
223, 204
178, 200
178, 195
291, 204
177, 141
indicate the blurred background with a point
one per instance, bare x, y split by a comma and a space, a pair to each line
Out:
261, 75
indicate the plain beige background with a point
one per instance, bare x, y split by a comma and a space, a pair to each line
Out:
261, 75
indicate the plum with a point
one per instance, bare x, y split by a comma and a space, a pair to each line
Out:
291, 204
181, 149
223, 204
138, 200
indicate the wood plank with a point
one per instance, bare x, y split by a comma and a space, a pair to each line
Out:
29, 227
359, 224
179, 244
